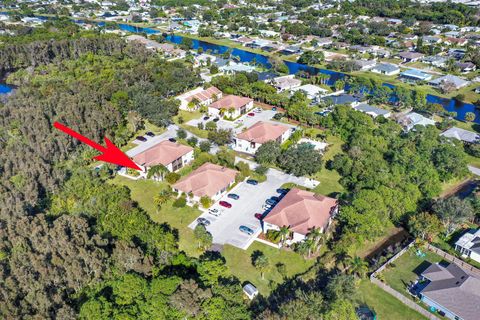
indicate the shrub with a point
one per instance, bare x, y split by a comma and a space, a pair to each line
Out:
180, 202
192, 141
181, 134
200, 126
206, 202
205, 146
172, 177
273, 236
261, 170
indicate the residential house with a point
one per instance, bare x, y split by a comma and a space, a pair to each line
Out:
202, 97
322, 42
436, 61
286, 83
244, 40
171, 155
452, 291
412, 119
209, 180
469, 244
410, 56
431, 40
466, 67
455, 41
344, 99
232, 105
365, 64
461, 134
414, 75
251, 139
387, 69
301, 211
232, 67
372, 111
359, 49
454, 81
312, 91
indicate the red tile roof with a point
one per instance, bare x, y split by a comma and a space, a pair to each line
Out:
262, 132
206, 180
302, 210
230, 101
205, 94
163, 153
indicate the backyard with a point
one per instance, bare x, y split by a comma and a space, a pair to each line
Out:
385, 305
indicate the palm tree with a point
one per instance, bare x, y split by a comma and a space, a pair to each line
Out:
356, 266
339, 85
284, 232
157, 171
262, 264
317, 236
161, 198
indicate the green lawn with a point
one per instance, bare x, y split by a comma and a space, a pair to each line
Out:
240, 264
329, 178
407, 269
386, 306
143, 192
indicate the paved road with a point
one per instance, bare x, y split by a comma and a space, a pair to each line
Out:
224, 229
171, 132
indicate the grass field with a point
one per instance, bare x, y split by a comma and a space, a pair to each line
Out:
329, 178
407, 268
143, 192
240, 264
386, 306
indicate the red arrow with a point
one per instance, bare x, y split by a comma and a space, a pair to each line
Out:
109, 154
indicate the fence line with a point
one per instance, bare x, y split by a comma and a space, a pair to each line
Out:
406, 301
454, 259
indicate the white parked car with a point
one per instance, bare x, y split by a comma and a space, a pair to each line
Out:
214, 212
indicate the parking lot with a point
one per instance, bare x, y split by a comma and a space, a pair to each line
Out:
225, 228
238, 125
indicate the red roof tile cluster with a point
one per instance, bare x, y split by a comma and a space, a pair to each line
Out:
230, 101
262, 132
163, 153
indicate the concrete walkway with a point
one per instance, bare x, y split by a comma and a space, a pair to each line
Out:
474, 170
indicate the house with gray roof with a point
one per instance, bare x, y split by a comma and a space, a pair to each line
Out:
469, 245
457, 82
414, 75
452, 291
412, 119
387, 69
462, 135
372, 111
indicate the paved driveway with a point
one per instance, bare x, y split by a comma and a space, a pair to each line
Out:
224, 228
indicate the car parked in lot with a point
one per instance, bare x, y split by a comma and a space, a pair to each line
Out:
150, 134
251, 114
233, 196
140, 138
266, 207
252, 182
258, 110
216, 119
172, 140
225, 204
246, 230
214, 212
259, 216
206, 118
271, 202
274, 198
282, 191
203, 221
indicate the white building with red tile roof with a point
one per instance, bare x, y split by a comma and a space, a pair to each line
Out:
203, 97
209, 180
233, 106
301, 211
169, 154
251, 139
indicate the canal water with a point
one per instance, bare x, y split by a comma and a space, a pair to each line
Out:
450, 105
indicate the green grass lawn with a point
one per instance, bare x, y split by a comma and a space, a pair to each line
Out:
386, 306
329, 178
407, 268
240, 264
143, 191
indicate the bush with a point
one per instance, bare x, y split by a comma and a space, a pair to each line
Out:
181, 134
172, 177
278, 116
261, 170
273, 236
192, 141
206, 202
205, 146
180, 203
200, 126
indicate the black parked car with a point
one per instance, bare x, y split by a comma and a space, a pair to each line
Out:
216, 119
140, 138
206, 118
150, 134
172, 140
252, 182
